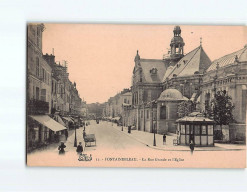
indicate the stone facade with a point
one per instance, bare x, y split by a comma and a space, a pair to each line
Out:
229, 73
49, 91
193, 75
39, 72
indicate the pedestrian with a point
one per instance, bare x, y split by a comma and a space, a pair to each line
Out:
192, 146
79, 148
178, 137
84, 134
129, 129
66, 134
164, 139
61, 148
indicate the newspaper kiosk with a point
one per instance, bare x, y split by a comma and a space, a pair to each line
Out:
197, 128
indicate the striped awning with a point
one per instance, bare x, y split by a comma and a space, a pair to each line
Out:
48, 122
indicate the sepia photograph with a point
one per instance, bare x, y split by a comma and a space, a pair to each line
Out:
135, 95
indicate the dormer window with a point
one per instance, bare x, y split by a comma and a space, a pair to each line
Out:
153, 71
178, 65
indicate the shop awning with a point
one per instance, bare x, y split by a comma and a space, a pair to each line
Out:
68, 119
60, 120
48, 122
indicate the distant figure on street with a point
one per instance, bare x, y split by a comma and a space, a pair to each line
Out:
66, 134
164, 139
79, 148
178, 137
192, 146
84, 134
61, 148
129, 129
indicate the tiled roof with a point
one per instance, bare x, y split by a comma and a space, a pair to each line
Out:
149, 64
196, 60
127, 93
229, 59
168, 72
195, 117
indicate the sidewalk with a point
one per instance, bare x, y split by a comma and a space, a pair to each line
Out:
147, 138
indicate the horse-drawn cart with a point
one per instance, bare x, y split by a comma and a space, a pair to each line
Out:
89, 139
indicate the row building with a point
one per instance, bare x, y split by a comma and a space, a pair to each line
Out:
53, 101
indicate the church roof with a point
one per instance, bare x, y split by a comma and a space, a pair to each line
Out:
168, 72
195, 61
147, 65
229, 59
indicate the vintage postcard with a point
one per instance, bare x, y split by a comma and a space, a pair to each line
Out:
108, 95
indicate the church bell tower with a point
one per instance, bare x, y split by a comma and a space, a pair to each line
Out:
177, 44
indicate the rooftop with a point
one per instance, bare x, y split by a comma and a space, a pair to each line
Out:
195, 61
171, 95
229, 59
149, 64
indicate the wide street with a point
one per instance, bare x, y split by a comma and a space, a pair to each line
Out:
114, 148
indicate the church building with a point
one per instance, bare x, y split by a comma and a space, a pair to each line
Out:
159, 85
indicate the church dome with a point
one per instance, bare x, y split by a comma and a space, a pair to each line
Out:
171, 95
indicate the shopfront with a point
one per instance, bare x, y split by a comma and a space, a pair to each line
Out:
196, 128
42, 130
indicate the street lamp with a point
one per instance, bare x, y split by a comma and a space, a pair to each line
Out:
154, 144
153, 125
75, 141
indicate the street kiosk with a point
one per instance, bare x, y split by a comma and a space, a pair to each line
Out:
197, 128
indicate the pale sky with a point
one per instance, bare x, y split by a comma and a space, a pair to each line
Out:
101, 56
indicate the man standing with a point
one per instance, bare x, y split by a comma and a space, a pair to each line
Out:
129, 129
79, 148
192, 146
61, 148
164, 139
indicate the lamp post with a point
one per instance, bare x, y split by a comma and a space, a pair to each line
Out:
154, 144
153, 124
75, 141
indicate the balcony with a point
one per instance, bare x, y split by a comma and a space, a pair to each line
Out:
37, 107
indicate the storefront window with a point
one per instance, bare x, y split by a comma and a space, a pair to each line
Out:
183, 129
204, 130
210, 129
197, 129
187, 129
210, 140
197, 140
187, 139
204, 140
182, 139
